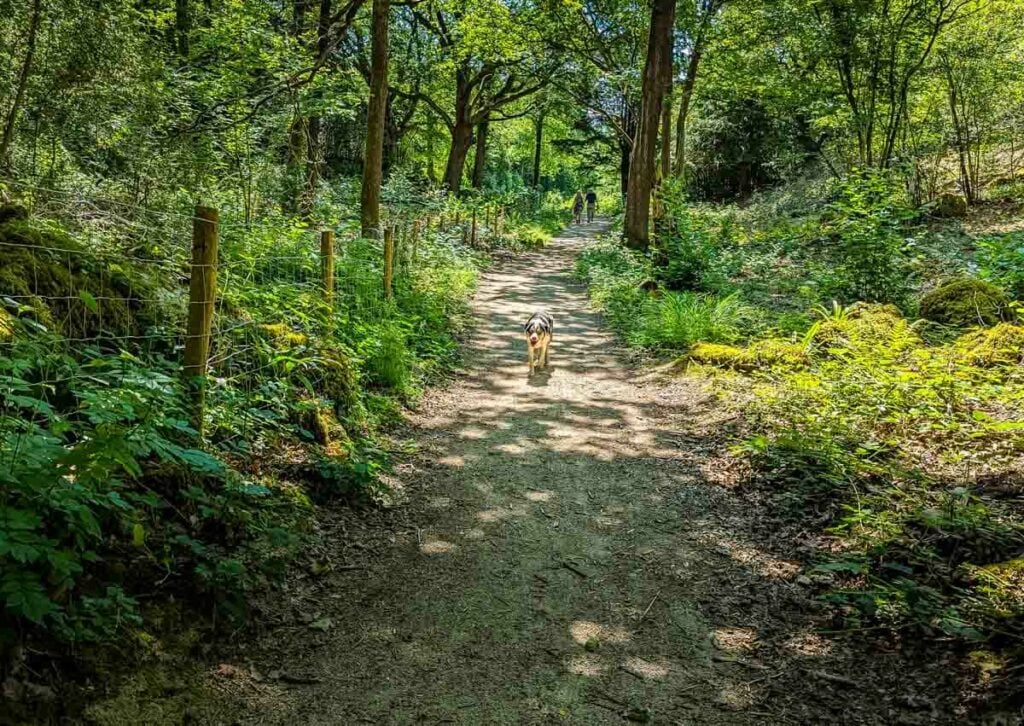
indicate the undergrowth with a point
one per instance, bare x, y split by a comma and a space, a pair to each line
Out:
903, 435
109, 499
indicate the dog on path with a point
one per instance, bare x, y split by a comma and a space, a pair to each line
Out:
539, 329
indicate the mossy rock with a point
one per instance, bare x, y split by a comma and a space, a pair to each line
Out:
950, 206
66, 288
999, 345
865, 327
966, 302
283, 336
339, 380
12, 212
761, 354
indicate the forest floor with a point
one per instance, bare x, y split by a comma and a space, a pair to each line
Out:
572, 547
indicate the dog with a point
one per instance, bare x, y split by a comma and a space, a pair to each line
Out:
539, 330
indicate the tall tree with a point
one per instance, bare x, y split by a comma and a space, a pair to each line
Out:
375, 120
10, 123
657, 74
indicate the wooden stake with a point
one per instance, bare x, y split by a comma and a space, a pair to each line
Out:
202, 294
472, 230
389, 261
327, 263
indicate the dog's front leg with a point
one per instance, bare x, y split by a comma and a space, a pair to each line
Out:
529, 356
547, 346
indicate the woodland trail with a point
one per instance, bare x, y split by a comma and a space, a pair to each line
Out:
569, 551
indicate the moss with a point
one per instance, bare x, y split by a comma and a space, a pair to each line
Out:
1000, 345
761, 354
6, 326
65, 287
284, 336
322, 422
966, 302
338, 380
865, 327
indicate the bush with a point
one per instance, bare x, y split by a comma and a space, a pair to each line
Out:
862, 329
999, 345
1001, 261
966, 302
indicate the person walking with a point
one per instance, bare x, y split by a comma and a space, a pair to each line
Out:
591, 205
577, 208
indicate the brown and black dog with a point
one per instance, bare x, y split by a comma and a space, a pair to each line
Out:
539, 329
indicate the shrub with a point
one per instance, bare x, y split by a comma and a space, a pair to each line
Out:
864, 329
864, 230
679, 319
966, 302
1002, 344
1001, 261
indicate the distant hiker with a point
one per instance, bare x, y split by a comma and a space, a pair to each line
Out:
577, 208
591, 205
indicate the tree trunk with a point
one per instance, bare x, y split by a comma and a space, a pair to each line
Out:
657, 72
462, 141
19, 94
315, 125
182, 26
480, 159
685, 95
666, 137
373, 161
538, 138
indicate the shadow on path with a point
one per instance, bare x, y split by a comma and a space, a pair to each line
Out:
567, 554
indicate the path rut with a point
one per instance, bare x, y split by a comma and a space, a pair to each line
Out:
569, 552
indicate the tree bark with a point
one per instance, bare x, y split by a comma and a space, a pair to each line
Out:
538, 138
657, 71
666, 134
480, 159
315, 125
19, 94
685, 96
375, 118
462, 141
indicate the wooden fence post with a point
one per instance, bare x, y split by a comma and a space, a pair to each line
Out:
472, 230
416, 238
498, 221
327, 264
202, 294
389, 261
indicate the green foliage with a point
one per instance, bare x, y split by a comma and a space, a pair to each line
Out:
864, 229
105, 487
1000, 259
965, 303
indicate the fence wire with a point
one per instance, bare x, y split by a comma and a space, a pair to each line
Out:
87, 278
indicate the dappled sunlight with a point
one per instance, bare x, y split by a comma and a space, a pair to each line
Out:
539, 496
498, 514
647, 669
585, 664
761, 562
587, 631
735, 640
809, 644
435, 546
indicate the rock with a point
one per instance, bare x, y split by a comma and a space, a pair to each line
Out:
966, 302
950, 206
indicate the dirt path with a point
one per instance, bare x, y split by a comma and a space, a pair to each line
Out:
569, 552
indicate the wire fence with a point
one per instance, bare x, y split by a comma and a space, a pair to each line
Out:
85, 278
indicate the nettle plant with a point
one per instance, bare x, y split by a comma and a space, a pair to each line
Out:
866, 229
79, 439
